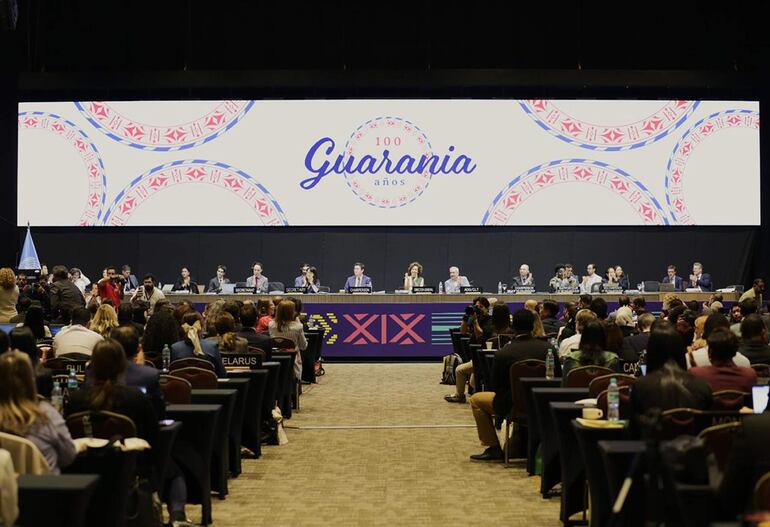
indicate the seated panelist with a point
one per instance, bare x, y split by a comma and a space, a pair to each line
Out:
700, 279
215, 284
310, 282
525, 278
359, 279
257, 279
413, 276
672, 278
185, 282
456, 281
300, 280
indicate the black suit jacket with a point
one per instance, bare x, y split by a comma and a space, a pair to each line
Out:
521, 348
145, 376
633, 346
551, 325
64, 293
256, 340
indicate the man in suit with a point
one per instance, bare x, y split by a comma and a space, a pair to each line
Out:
257, 279
215, 284
131, 280
359, 279
490, 408
524, 279
248, 317
144, 377
672, 278
300, 280
63, 293
700, 279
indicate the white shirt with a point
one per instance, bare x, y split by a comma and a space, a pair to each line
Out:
585, 287
75, 339
82, 282
156, 295
450, 286
569, 344
701, 357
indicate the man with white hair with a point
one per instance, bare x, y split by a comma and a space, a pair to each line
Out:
525, 278
456, 281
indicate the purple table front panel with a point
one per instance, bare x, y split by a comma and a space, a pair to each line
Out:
393, 330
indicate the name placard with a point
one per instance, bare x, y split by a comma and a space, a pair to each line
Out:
613, 289
470, 289
251, 361
524, 290
361, 290
568, 291
242, 289
295, 290
425, 289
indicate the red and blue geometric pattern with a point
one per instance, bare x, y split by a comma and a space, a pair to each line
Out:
412, 141
584, 171
703, 129
163, 138
608, 138
195, 172
85, 148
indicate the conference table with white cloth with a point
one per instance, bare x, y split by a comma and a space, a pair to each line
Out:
407, 326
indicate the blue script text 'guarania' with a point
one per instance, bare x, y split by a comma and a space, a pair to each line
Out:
318, 162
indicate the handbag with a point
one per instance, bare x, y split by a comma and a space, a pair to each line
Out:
144, 506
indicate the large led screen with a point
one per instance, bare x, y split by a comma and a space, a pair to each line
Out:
388, 162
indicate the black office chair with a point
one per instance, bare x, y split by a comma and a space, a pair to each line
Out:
275, 286
651, 286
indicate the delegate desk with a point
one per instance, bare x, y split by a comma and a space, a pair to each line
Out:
55, 499
405, 326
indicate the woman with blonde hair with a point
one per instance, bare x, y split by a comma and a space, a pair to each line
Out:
194, 345
286, 325
104, 320
23, 414
9, 295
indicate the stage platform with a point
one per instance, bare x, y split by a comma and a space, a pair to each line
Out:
403, 326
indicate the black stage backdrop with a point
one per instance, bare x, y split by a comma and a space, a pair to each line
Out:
486, 255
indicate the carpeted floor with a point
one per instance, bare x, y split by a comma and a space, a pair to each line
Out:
375, 444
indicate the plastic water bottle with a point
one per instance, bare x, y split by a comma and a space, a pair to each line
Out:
440, 287
166, 358
57, 397
499, 288
613, 401
72, 380
549, 364
87, 428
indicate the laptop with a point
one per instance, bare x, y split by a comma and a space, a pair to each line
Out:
167, 288
666, 288
228, 289
7, 327
759, 395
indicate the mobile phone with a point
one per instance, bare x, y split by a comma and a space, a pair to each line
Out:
759, 394
143, 389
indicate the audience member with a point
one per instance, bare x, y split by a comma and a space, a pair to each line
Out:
110, 287
139, 375
80, 280
722, 373
64, 293
592, 350
496, 404
287, 326
755, 293
148, 293
226, 338
248, 314
104, 320
624, 318
193, 345
754, 335
22, 339
548, 313
667, 385
23, 414
22, 306
476, 322
76, 338
9, 295
639, 306
584, 301
614, 336
572, 343
746, 308
700, 356
633, 345
265, 311
126, 318
34, 320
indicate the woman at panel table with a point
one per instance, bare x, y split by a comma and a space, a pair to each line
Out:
610, 278
310, 282
185, 282
413, 276
622, 278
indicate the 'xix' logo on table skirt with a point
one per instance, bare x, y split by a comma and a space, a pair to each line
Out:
401, 328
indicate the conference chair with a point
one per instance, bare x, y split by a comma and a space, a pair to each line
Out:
176, 390
581, 377
624, 408
651, 286
61, 365
762, 493
198, 378
275, 287
324, 289
518, 415
730, 400
154, 359
679, 421
599, 384
597, 288
719, 440
191, 362
282, 343
102, 424
27, 458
